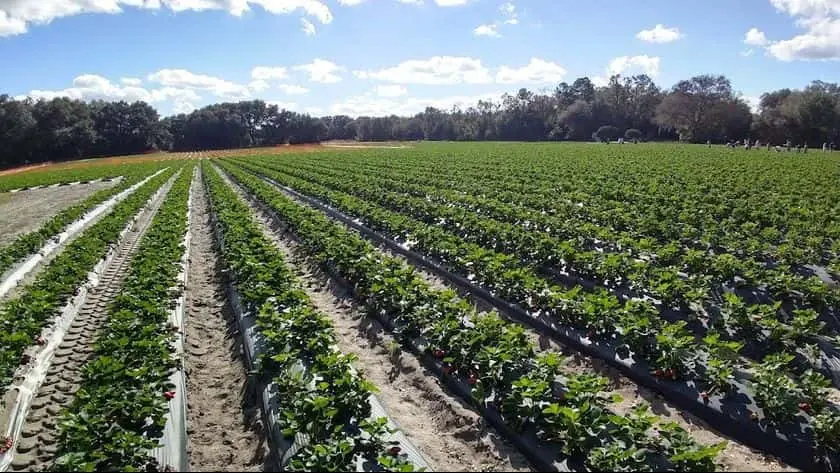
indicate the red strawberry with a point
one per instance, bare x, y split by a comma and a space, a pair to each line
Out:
40, 340
658, 373
395, 450
169, 395
805, 406
439, 353
704, 395
472, 379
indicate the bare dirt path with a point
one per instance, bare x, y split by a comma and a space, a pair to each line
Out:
25, 211
37, 446
224, 424
451, 435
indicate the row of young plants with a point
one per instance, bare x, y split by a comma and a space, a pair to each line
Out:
119, 411
28, 243
23, 317
674, 273
319, 394
667, 193
36, 178
774, 330
532, 392
694, 225
633, 328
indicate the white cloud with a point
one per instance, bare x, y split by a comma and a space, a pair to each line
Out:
747, 52
183, 78
320, 70
307, 27
268, 73
755, 37
808, 8
486, 30
659, 34
627, 65
437, 70
536, 71
367, 105
132, 81
508, 10
391, 91
634, 64
89, 87
821, 40
599, 81
11, 26
259, 85
292, 89
16, 15
509, 17
183, 107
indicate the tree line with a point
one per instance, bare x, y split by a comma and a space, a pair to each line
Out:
703, 108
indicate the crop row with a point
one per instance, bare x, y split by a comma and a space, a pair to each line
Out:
29, 179
319, 394
23, 317
540, 254
119, 412
32, 241
493, 357
634, 328
740, 206
630, 253
673, 273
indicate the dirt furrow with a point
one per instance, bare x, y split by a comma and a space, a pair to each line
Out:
224, 423
37, 445
451, 435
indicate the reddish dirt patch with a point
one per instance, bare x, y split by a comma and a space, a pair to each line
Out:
22, 168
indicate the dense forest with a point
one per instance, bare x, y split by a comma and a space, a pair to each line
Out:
695, 110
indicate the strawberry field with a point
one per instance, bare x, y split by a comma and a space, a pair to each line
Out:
448, 306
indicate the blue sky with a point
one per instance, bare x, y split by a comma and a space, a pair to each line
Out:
398, 56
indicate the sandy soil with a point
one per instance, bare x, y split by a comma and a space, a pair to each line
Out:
736, 457
37, 445
224, 424
25, 211
451, 436
22, 168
